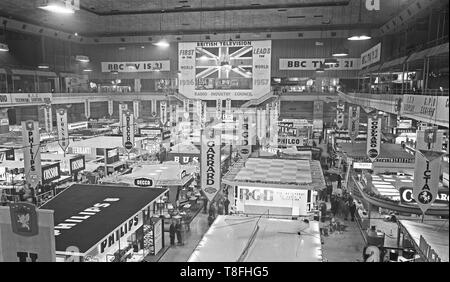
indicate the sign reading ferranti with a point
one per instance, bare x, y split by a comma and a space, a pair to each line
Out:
210, 163
31, 152
239, 70
312, 64
371, 56
63, 129
373, 138
142, 66
77, 164
50, 173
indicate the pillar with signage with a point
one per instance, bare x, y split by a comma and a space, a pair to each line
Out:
4, 120
210, 164
154, 110
427, 167
31, 153
228, 114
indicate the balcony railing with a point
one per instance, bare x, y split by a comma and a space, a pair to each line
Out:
380, 94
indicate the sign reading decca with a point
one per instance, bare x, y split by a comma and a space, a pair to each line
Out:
239, 70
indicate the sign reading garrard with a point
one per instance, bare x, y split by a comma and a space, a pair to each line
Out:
210, 163
239, 70
373, 138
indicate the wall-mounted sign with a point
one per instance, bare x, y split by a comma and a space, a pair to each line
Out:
77, 164
31, 152
144, 182
210, 164
239, 70
50, 173
313, 64
291, 141
142, 66
373, 138
371, 56
373, 5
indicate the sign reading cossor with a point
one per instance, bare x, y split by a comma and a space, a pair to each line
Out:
50, 173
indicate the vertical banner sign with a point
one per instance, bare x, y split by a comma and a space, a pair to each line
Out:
228, 115
110, 107
373, 137
48, 118
153, 106
219, 109
210, 162
128, 131
31, 152
427, 168
63, 129
186, 105
340, 116
353, 122
204, 110
318, 118
245, 147
274, 124
172, 115
122, 108
87, 108
198, 109
163, 112
258, 124
263, 124
136, 109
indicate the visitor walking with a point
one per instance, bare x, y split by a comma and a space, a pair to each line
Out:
352, 210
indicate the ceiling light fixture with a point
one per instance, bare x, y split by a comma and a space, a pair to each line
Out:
340, 53
87, 70
4, 47
359, 37
81, 58
59, 6
162, 43
43, 66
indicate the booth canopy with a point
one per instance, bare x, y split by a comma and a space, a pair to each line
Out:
162, 174
89, 232
275, 240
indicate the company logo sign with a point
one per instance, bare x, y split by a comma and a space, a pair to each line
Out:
210, 163
371, 56
24, 219
128, 131
63, 129
77, 164
31, 152
144, 182
287, 141
50, 173
373, 138
406, 196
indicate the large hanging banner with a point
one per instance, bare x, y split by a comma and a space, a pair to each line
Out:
87, 108
245, 134
136, 107
340, 114
31, 152
48, 118
210, 164
239, 70
63, 129
313, 64
373, 137
219, 109
371, 56
110, 107
427, 167
163, 112
432, 109
353, 122
128, 131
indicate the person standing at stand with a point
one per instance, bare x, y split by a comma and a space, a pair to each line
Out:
178, 229
226, 204
172, 231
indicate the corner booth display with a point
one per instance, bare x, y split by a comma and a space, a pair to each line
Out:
96, 223
279, 187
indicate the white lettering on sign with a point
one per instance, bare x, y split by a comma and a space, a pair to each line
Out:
313, 64
143, 66
373, 5
373, 138
128, 227
51, 173
144, 182
371, 56
210, 163
291, 141
77, 165
81, 150
112, 153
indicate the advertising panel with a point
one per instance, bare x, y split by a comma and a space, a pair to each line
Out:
50, 173
77, 164
371, 56
210, 165
141, 66
239, 70
373, 138
31, 152
128, 131
313, 64
63, 129
431, 109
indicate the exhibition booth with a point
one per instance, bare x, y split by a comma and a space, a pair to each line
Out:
281, 187
256, 239
96, 223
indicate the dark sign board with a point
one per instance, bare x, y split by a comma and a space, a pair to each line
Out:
7, 154
77, 164
50, 173
144, 182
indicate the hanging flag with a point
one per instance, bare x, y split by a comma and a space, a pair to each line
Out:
163, 112
353, 122
340, 116
31, 152
110, 107
136, 109
427, 168
373, 137
87, 108
63, 129
210, 162
128, 131
48, 118
219, 109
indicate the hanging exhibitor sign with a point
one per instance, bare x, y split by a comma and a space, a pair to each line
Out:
136, 107
198, 108
373, 138
26, 234
313, 64
77, 164
219, 109
245, 146
112, 156
87, 108
318, 117
371, 56
210, 164
7, 154
48, 118
407, 197
163, 111
144, 182
128, 131
31, 152
340, 116
141, 66
431, 109
239, 70
183, 158
228, 114
291, 141
63, 129
50, 173
110, 107
122, 108
353, 122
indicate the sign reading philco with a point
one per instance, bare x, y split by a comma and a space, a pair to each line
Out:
77, 164
63, 129
31, 152
128, 131
290, 141
373, 138
144, 182
210, 163
50, 173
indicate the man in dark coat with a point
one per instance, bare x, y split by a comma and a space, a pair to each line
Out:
178, 228
226, 203
352, 210
172, 231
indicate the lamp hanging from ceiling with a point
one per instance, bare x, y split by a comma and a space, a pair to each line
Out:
59, 6
340, 52
358, 35
163, 43
3, 46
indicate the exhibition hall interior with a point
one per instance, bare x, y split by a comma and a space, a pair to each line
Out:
224, 131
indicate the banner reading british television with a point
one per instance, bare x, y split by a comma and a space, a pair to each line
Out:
373, 137
31, 152
210, 165
239, 70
